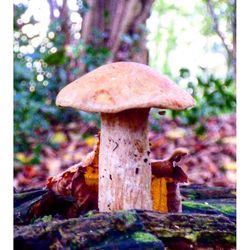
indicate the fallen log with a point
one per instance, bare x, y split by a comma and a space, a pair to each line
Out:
34, 203
208, 222
196, 191
209, 200
134, 229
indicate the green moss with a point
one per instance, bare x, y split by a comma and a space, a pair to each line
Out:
195, 205
144, 237
222, 208
130, 217
89, 214
192, 195
231, 239
193, 236
189, 234
225, 208
46, 218
74, 244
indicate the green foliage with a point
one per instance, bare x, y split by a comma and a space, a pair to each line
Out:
213, 96
95, 57
38, 78
57, 58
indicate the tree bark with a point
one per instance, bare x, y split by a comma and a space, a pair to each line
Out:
119, 26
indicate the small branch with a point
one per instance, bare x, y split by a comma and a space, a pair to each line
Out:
216, 28
51, 9
64, 15
234, 38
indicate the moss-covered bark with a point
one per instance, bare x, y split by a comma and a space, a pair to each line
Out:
207, 222
129, 230
191, 231
209, 200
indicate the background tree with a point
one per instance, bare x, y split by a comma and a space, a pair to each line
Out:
109, 31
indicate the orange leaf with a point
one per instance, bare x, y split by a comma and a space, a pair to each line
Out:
159, 194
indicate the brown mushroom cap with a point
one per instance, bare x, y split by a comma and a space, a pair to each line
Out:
120, 86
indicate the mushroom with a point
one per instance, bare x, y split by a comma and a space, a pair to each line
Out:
124, 92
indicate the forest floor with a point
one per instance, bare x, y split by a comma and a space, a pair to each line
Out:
211, 160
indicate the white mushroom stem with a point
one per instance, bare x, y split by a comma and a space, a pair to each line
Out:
124, 161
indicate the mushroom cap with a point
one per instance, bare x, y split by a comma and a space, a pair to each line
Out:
119, 86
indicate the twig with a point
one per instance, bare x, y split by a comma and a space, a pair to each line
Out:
216, 28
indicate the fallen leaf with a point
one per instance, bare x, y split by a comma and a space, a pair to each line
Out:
175, 133
230, 166
91, 141
229, 140
58, 138
159, 194
23, 158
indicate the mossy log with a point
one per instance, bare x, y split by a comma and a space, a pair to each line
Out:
209, 200
200, 192
134, 229
207, 222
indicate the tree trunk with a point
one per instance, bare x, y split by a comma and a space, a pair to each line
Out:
117, 25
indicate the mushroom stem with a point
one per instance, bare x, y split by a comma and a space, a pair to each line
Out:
124, 161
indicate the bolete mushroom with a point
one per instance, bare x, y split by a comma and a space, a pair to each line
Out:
124, 92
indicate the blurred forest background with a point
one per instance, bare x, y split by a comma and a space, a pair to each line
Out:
56, 41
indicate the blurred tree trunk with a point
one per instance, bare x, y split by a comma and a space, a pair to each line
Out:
64, 16
119, 26
111, 30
